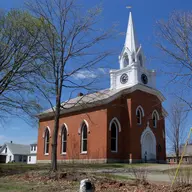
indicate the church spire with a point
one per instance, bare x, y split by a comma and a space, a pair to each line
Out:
131, 41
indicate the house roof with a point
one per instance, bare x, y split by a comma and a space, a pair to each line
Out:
17, 149
99, 98
188, 150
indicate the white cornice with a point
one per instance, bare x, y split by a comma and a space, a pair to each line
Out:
107, 100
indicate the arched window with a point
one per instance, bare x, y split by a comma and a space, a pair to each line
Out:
64, 140
46, 144
126, 60
141, 60
84, 138
139, 114
155, 117
114, 127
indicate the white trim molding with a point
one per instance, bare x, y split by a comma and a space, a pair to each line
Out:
86, 123
64, 125
156, 115
155, 111
48, 130
153, 144
142, 110
146, 131
118, 124
109, 97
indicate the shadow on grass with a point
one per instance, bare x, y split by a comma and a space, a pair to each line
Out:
16, 168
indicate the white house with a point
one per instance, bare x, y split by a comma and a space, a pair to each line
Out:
11, 152
32, 157
15, 152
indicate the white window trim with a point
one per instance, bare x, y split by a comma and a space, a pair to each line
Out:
156, 116
116, 143
118, 129
49, 132
82, 125
64, 125
62, 132
45, 143
140, 110
116, 121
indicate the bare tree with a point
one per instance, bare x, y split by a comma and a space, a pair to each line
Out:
17, 56
176, 132
73, 43
175, 41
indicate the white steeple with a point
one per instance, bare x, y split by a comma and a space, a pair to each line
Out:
131, 53
131, 41
132, 64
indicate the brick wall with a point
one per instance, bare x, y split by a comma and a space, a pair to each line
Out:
99, 138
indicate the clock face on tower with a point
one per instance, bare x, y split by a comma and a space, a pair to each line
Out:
144, 78
124, 78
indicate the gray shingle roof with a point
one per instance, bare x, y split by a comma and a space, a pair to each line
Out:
98, 98
188, 150
18, 149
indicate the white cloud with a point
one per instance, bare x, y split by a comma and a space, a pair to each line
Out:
85, 74
90, 74
102, 70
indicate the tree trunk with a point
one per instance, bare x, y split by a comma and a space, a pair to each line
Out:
55, 135
177, 156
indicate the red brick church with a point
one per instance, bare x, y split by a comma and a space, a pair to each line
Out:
124, 123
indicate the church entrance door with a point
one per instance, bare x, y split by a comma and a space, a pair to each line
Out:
148, 146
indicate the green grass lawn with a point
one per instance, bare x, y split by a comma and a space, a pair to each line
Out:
16, 166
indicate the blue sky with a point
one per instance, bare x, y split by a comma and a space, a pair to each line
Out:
145, 15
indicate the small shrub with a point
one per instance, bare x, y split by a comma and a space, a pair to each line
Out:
184, 176
140, 174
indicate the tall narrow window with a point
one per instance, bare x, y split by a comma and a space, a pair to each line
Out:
84, 138
64, 140
6, 150
139, 115
155, 118
114, 137
46, 148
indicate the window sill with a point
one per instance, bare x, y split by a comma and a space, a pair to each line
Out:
46, 154
83, 152
114, 151
63, 153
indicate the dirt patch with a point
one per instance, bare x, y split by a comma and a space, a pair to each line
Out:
42, 181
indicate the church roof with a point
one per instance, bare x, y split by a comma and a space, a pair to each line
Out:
97, 99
